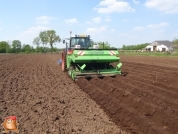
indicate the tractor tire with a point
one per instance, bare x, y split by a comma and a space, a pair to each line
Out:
64, 65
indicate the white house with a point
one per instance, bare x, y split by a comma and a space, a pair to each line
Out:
160, 46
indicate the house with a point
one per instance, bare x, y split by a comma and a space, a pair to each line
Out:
160, 46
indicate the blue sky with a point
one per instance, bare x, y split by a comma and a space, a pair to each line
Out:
120, 22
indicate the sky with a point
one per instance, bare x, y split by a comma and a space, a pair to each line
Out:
120, 22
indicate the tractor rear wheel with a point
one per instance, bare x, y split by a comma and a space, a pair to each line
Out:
64, 61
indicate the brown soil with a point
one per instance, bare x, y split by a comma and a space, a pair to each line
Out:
145, 101
45, 100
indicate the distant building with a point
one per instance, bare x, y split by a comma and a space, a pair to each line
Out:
161, 46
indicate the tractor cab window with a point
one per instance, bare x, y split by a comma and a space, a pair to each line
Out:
82, 41
73, 42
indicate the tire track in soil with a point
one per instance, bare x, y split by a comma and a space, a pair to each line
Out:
45, 100
119, 112
158, 81
134, 102
152, 68
156, 77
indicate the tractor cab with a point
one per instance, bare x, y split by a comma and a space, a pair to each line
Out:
80, 42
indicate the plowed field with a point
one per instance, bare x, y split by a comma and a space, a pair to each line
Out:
46, 100
145, 100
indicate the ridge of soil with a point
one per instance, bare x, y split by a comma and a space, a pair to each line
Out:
145, 100
45, 100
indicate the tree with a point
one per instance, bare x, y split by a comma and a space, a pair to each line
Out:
36, 41
52, 38
135, 47
16, 46
27, 48
175, 41
4, 47
44, 39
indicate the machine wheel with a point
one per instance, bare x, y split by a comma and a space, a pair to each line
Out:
64, 61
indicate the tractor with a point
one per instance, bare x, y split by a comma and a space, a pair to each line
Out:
83, 58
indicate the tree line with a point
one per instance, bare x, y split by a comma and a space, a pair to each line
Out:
17, 47
41, 42
143, 45
135, 47
49, 37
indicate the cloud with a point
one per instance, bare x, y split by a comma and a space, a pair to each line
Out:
96, 20
152, 26
112, 30
88, 22
158, 32
44, 19
72, 21
109, 6
32, 32
165, 6
123, 34
95, 30
160, 25
135, 1
139, 28
107, 18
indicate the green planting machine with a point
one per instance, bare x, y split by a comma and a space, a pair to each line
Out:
81, 58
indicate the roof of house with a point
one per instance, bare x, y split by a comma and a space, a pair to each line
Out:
164, 42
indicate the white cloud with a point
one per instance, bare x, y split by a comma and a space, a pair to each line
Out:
72, 21
88, 22
109, 6
96, 20
166, 6
158, 32
123, 34
32, 32
161, 25
44, 19
135, 1
139, 28
112, 30
107, 18
152, 26
96, 30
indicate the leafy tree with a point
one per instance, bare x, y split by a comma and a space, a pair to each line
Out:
8, 48
16, 46
52, 38
135, 47
4, 47
175, 41
27, 48
44, 39
36, 41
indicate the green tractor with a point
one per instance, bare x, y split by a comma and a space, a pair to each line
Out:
81, 58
